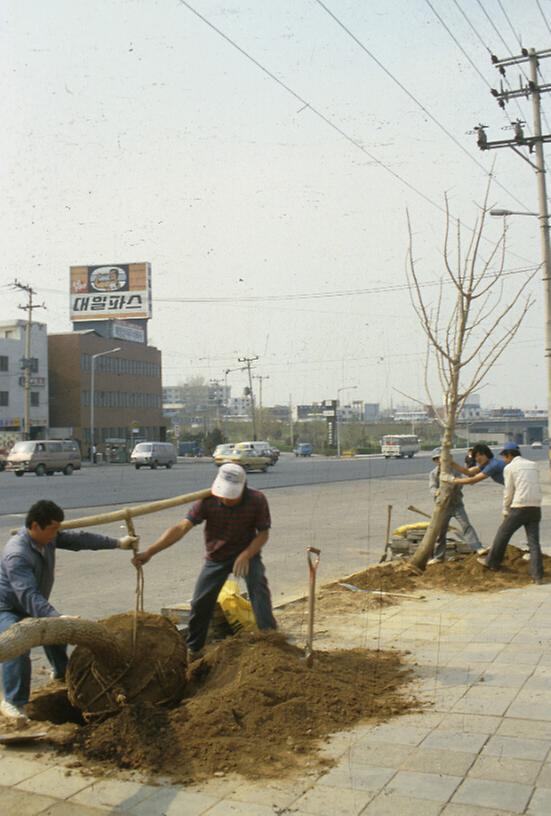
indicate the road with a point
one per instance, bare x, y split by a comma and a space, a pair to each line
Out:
121, 484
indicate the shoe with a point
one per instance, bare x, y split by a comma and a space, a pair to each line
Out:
60, 678
194, 655
526, 556
483, 551
482, 561
435, 561
12, 711
538, 581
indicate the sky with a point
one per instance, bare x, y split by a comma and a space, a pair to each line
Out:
133, 131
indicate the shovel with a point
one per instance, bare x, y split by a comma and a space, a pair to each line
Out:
387, 539
312, 570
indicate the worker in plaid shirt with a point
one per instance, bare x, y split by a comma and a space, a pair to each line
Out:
237, 525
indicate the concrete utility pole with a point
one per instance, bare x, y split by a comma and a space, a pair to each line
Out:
26, 363
534, 143
248, 361
260, 378
291, 429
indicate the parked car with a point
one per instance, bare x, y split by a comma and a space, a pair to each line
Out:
537, 444
303, 449
153, 455
190, 448
44, 457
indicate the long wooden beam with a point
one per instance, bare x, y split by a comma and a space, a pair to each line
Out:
137, 510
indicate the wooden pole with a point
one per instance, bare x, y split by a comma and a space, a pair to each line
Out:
138, 510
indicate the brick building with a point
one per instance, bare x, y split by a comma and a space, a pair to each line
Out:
127, 389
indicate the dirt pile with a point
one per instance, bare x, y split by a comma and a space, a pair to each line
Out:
463, 574
252, 707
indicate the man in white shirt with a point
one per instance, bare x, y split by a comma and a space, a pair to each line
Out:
521, 508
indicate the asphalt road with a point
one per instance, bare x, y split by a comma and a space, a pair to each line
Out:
104, 485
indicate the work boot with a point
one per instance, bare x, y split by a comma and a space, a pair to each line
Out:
482, 562
483, 551
194, 655
12, 711
435, 561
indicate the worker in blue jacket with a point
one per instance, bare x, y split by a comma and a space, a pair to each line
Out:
27, 571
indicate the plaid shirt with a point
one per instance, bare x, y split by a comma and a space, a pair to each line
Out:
230, 530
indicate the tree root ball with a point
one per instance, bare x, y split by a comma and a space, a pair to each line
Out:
153, 671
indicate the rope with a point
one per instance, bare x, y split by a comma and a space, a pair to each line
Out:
140, 581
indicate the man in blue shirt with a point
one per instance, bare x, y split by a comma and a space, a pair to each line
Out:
487, 467
27, 570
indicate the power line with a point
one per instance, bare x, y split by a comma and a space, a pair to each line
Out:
486, 47
408, 93
543, 16
321, 295
305, 104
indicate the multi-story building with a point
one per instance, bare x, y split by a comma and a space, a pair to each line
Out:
127, 389
12, 379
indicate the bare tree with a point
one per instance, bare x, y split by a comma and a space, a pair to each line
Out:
466, 335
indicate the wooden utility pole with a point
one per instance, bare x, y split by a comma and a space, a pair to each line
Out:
260, 378
26, 363
248, 361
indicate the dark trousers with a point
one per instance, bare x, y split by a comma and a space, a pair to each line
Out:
209, 583
529, 518
16, 673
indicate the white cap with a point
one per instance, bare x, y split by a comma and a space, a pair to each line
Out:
230, 482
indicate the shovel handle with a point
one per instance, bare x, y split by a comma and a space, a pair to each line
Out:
312, 569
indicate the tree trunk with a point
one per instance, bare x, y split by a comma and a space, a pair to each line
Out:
31, 632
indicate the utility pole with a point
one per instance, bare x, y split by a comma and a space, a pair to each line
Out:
291, 429
26, 363
534, 144
260, 378
248, 361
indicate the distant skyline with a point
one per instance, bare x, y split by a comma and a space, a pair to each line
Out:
134, 132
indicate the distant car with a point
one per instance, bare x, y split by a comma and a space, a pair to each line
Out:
303, 449
222, 454
537, 444
249, 460
153, 455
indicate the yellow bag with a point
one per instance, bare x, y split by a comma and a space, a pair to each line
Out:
237, 609
401, 532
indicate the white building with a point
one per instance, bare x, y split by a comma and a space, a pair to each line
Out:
12, 392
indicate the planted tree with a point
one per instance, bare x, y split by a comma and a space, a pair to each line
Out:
467, 325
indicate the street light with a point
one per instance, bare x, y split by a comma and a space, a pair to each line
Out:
344, 388
92, 387
543, 217
501, 213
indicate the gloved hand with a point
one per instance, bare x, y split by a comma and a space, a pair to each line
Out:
129, 542
447, 477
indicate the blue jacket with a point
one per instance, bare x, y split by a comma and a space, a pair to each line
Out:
27, 571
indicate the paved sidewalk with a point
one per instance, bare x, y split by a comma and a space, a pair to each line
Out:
482, 747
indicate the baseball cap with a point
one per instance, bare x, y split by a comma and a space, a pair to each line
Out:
436, 453
509, 446
229, 482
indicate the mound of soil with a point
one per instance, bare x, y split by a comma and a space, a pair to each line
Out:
253, 707
463, 574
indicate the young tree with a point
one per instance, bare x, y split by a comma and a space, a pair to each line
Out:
466, 334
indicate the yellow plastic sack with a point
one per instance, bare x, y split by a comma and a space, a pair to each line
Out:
401, 532
237, 609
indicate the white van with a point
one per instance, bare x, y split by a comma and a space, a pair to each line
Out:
153, 455
44, 457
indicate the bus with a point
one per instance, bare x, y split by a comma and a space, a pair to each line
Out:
399, 445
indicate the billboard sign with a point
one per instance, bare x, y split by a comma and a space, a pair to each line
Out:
110, 292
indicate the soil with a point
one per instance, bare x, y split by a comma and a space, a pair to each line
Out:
252, 706
463, 574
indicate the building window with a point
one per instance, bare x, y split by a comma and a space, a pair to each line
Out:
4, 398
3, 363
35, 399
34, 365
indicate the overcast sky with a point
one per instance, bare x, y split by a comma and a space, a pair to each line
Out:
132, 131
